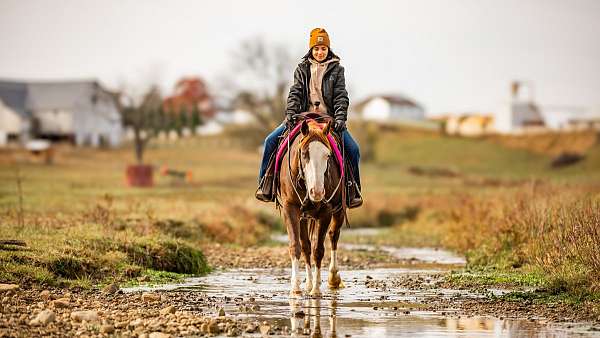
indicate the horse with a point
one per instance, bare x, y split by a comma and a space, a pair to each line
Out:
309, 169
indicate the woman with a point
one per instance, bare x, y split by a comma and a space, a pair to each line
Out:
319, 86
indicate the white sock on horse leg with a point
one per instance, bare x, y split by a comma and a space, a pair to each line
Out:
309, 279
333, 263
295, 275
316, 282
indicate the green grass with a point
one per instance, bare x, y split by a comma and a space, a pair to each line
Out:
154, 277
474, 278
81, 217
89, 254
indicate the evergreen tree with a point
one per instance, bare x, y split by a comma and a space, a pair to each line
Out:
196, 119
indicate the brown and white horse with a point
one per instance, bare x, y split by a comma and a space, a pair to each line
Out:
311, 198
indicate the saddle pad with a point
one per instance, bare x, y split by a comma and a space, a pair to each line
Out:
292, 135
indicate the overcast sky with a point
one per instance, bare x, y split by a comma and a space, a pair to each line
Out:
449, 55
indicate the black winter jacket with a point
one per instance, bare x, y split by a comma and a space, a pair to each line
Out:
333, 87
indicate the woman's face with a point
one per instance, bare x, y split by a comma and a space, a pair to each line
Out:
320, 52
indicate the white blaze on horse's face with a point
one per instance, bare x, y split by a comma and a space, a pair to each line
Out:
314, 170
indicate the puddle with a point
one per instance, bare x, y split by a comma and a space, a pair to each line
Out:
357, 310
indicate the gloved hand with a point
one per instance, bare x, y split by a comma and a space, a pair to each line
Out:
290, 121
339, 126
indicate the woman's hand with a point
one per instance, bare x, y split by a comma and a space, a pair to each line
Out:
339, 126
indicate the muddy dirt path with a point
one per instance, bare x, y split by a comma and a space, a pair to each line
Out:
389, 292
400, 299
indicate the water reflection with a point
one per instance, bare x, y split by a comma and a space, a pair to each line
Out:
357, 310
305, 318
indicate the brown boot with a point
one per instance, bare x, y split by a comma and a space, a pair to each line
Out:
355, 202
265, 188
262, 196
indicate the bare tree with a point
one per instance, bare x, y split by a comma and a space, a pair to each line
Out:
144, 115
262, 72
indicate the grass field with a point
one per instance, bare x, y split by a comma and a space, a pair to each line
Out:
428, 189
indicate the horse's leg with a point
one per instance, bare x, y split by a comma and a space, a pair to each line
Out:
334, 279
305, 246
291, 216
318, 251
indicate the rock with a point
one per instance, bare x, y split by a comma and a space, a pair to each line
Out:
150, 297
159, 335
88, 316
61, 303
45, 295
167, 310
250, 328
264, 329
145, 278
213, 327
8, 287
5, 300
221, 312
110, 289
143, 335
43, 318
135, 323
233, 332
107, 328
121, 325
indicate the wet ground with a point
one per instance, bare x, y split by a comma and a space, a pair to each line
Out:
385, 302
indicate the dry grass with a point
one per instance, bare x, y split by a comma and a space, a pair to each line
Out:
548, 228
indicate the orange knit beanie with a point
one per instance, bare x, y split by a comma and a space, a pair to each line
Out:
318, 36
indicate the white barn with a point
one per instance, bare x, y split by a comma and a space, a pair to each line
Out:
11, 124
79, 110
521, 114
389, 108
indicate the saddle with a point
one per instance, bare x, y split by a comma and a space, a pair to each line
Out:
269, 185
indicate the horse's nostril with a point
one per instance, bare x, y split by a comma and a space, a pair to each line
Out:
312, 191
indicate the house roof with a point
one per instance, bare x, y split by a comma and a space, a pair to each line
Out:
397, 99
14, 96
60, 95
25, 96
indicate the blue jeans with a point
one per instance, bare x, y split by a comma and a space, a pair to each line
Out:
270, 146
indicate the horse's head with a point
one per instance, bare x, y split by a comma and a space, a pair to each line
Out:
314, 156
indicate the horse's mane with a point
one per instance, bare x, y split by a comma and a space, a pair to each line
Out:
315, 132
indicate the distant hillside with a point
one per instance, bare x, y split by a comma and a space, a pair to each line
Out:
508, 157
551, 143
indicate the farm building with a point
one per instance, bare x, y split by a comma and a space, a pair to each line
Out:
471, 125
520, 114
81, 111
389, 108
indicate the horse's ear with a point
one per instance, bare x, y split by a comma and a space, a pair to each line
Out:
304, 128
327, 128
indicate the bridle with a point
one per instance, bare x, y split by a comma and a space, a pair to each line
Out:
301, 175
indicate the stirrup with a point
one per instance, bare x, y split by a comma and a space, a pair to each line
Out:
261, 196
355, 202
355, 199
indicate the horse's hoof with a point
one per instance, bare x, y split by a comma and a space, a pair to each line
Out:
315, 293
334, 281
295, 293
308, 287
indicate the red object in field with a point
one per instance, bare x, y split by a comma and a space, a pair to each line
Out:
139, 175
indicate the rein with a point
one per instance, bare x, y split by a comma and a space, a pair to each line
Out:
301, 176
